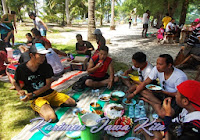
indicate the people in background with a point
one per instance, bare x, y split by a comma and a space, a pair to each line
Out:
39, 24
145, 21
83, 47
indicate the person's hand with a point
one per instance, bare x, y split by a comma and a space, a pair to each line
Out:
27, 97
110, 84
158, 91
6, 39
21, 93
167, 106
130, 96
125, 73
138, 131
99, 65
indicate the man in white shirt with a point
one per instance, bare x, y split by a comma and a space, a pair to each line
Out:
141, 66
145, 21
39, 24
169, 77
170, 27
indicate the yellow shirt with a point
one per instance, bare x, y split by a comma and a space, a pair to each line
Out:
166, 20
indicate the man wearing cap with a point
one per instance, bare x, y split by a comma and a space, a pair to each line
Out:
100, 40
35, 77
187, 124
169, 77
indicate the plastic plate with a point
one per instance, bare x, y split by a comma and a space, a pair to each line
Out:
104, 97
153, 87
133, 102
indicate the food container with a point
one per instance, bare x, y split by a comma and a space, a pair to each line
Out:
95, 106
98, 112
114, 99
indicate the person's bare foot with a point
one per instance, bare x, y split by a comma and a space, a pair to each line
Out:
12, 88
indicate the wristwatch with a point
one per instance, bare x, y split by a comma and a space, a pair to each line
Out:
33, 94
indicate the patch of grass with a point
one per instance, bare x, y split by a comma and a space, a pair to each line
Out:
63, 30
69, 48
14, 114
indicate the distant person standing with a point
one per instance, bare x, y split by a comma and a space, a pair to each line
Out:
145, 23
10, 21
166, 20
130, 21
39, 24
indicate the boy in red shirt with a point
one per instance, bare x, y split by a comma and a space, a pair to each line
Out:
97, 69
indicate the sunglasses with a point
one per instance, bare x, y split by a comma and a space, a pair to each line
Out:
163, 85
140, 75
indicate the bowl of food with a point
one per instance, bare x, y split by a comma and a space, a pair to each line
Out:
98, 112
79, 110
114, 99
94, 106
90, 119
129, 102
104, 97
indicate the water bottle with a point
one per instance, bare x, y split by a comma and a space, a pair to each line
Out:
131, 111
142, 112
141, 104
71, 56
137, 111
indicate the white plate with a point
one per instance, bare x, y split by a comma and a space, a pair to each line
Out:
73, 134
104, 95
112, 114
132, 138
118, 93
153, 87
117, 134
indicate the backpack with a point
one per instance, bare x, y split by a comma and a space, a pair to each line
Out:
80, 84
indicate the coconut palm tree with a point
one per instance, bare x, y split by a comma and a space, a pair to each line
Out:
112, 23
5, 10
91, 19
67, 11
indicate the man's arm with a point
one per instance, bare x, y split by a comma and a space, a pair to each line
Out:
15, 26
172, 94
39, 91
44, 24
3, 19
91, 68
111, 70
128, 71
90, 47
140, 87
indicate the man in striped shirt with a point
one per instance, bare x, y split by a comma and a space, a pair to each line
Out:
188, 53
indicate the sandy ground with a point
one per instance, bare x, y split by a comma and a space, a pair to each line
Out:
124, 42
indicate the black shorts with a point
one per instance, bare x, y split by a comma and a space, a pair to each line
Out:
161, 97
98, 78
2, 72
145, 26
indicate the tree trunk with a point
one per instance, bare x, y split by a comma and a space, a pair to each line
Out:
101, 20
91, 19
183, 12
67, 12
172, 7
5, 10
108, 19
112, 23
159, 21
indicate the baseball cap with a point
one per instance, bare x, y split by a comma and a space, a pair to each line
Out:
197, 20
191, 90
38, 48
97, 32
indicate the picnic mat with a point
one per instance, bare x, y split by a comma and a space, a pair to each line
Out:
66, 116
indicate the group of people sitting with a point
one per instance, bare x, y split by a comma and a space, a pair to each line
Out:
35, 76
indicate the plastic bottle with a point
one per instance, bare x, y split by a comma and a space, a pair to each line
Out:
141, 103
142, 112
137, 111
131, 111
